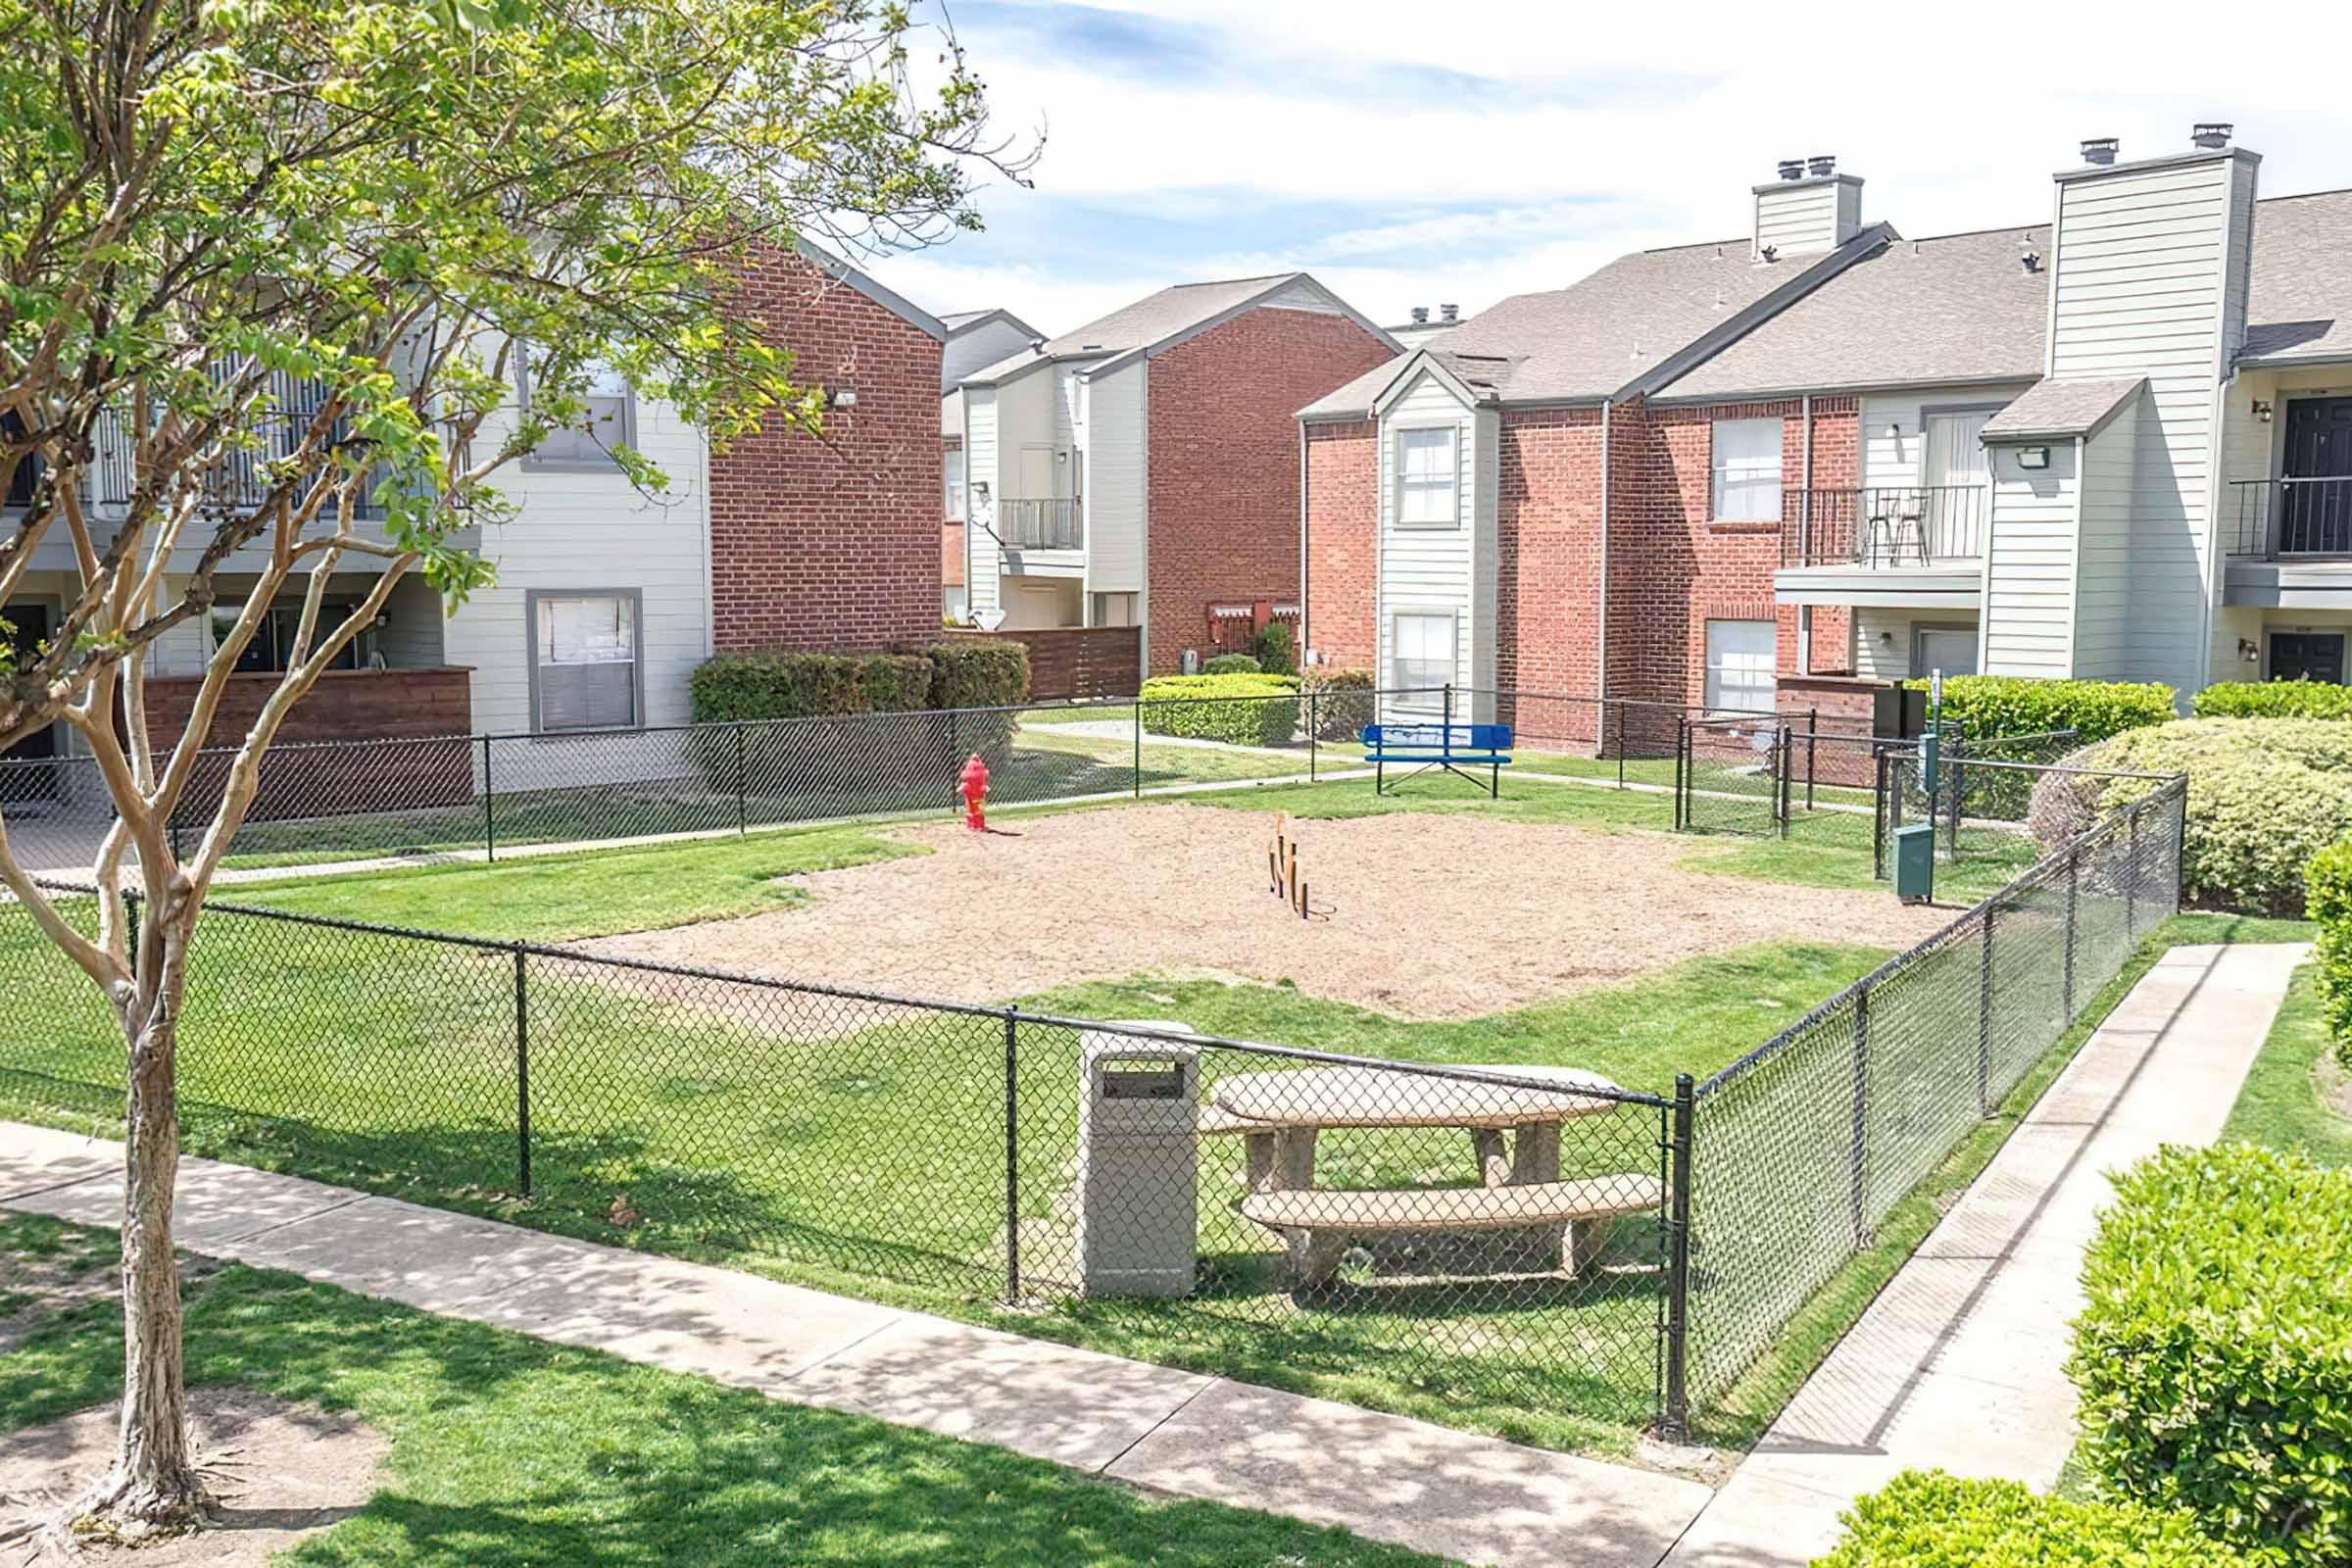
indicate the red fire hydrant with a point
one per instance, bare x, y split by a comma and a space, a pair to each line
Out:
975, 793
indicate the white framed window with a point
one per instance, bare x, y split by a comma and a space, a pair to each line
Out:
1421, 650
1741, 665
1428, 477
586, 659
952, 466
1747, 470
609, 421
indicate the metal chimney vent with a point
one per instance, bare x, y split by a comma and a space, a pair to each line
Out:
2099, 150
1449, 313
1793, 169
1818, 166
2211, 133
1420, 314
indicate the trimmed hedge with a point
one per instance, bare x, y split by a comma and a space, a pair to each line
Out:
2328, 890
977, 672
1232, 664
1239, 710
1928, 1519
2214, 1355
2275, 698
1989, 706
962, 673
1344, 702
2265, 796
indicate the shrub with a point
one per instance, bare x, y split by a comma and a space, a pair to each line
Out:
2275, 698
2265, 796
2213, 1353
1239, 710
2328, 890
1989, 706
1231, 664
978, 672
1344, 703
1276, 648
1928, 1519
736, 686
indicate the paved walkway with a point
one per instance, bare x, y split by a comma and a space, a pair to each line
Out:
1959, 1362
1477, 1500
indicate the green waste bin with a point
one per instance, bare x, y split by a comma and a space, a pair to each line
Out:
1915, 862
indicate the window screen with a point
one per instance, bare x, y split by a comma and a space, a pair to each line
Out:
606, 424
1426, 469
1421, 651
1747, 470
1741, 663
586, 650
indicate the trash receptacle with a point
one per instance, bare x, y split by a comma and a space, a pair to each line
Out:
1138, 1225
1915, 862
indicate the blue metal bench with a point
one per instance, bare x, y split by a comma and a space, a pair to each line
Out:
1449, 748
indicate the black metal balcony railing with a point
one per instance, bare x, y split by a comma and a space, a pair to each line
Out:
1883, 526
1044, 525
241, 480
2269, 519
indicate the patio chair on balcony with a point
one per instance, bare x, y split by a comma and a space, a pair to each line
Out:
1901, 526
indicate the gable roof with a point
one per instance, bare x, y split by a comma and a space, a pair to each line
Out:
958, 322
2051, 410
1955, 308
889, 299
1640, 319
1161, 320
2299, 303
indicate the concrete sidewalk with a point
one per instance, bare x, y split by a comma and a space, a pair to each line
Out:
1960, 1361
1473, 1498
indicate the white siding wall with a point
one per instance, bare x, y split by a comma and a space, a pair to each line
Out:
2103, 559
2142, 284
1304, 296
2030, 567
1890, 658
414, 626
1807, 216
1431, 568
1893, 448
980, 468
1115, 469
968, 353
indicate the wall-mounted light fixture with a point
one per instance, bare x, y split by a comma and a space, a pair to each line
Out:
841, 397
2262, 410
1886, 638
1894, 430
2248, 651
2033, 456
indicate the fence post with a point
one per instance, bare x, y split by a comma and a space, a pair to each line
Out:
1449, 702
2073, 864
1955, 770
1675, 1420
489, 804
1012, 1155
1985, 1015
741, 785
2132, 870
1812, 753
1621, 745
2179, 843
1878, 812
1139, 743
1681, 741
1784, 744
1315, 734
1857, 1157
522, 1071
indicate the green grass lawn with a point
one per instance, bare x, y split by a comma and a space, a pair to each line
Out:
2281, 1104
509, 1452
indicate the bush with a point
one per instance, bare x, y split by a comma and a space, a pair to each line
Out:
1231, 664
2275, 698
1276, 648
2213, 1353
2265, 796
1928, 1519
1344, 703
978, 672
737, 686
1989, 706
2328, 890
1239, 710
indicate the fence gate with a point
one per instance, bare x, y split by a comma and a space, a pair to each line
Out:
1730, 775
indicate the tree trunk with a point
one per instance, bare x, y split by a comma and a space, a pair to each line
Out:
153, 1484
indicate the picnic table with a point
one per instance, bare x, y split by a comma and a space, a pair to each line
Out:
1514, 1137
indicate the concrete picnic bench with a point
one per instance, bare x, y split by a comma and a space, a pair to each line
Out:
1514, 1135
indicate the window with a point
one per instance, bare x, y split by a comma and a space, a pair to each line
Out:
1426, 474
1747, 470
584, 659
1421, 650
953, 466
609, 421
1741, 665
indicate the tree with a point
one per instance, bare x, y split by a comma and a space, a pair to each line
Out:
273, 268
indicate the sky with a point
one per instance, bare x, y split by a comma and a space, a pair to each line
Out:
1430, 152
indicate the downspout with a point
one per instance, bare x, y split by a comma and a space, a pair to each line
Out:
1804, 535
1601, 684
1306, 638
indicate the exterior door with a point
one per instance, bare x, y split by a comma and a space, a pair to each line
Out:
1953, 472
2308, 656
1949, 649
2314, 504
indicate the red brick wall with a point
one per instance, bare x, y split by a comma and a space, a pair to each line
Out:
1547, 525
1223, 481
1341, 542
833, 543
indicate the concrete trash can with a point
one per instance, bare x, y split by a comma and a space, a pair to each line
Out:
1139, 1168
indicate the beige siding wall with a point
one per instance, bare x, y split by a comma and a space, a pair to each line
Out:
2029, 572
2104, 559
1115, 472
1807, 216
1424, 568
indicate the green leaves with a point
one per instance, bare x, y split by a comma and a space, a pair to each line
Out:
2214, 1355
1989, 706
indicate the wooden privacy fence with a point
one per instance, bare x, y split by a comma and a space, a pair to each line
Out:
1074, 663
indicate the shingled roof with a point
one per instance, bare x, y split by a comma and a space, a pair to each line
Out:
2299, 305
1156, 319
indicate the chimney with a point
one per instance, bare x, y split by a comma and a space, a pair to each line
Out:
2099, 150
2211, 135
1449, 313
1810, 209
2112, 221
1420, 314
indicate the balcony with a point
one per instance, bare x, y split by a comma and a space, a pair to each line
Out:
1883, 527
1058, 523
2282, 518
